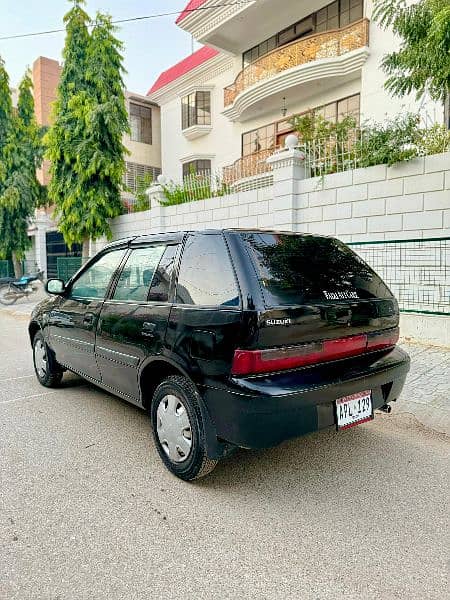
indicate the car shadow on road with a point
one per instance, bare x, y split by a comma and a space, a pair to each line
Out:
353, 461
312, 464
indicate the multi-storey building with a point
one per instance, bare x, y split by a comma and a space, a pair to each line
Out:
143, 144
262, 62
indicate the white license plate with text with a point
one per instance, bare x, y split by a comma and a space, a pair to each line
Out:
355, 409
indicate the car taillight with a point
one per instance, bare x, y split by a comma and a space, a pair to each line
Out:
383, 339
253, 362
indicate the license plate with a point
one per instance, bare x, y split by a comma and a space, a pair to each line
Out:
353, 410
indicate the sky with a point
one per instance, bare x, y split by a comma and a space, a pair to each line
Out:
151, 46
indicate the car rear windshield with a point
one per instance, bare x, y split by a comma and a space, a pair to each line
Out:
297, 269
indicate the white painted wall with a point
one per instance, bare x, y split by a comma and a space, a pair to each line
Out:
223, 143
146, 154
425, 329
410, 200
376, 103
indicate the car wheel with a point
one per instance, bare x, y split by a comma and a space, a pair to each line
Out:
47, 370
178, 429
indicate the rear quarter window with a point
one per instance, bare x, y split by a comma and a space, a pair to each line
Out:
297, 269
206, 276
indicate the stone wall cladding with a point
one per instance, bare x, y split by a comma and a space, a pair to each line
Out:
409, 200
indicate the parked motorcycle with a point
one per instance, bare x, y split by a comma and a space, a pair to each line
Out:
12, 289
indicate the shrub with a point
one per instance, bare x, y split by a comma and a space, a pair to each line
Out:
388, 143
329, 144
435, 140
142, 200
196, 186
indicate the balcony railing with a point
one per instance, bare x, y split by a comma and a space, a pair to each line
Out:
329, 44
248, 166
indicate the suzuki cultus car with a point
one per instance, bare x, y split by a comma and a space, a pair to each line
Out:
228, 338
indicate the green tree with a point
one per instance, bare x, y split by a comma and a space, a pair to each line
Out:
422, 64
84, 144
5, 124
142, 200
20, 191
5, 118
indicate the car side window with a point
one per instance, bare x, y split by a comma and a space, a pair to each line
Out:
160, 287
137, 274
94, 282
206, 275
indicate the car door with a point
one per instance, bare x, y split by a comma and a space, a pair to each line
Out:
73, 320
134, 318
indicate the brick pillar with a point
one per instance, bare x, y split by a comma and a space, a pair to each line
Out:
288, 166
156, 196
40, 243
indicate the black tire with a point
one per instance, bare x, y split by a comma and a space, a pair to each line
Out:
196, 463
50, 375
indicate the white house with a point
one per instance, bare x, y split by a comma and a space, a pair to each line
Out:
262, 62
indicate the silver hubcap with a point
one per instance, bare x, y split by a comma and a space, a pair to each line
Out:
174, 428
40, 358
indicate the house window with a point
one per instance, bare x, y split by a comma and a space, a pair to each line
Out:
273, 135
259, 139
260, 50
337, 111
333, 16
327, 18
141, 123
196, 109
135, 172
195, 167
350, 11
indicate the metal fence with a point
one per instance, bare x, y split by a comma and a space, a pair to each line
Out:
7, 268
212, 184
416, 270
357, 148
67, 266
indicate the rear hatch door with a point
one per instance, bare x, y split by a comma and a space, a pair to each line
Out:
315, 288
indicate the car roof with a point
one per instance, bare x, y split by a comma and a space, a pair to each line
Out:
176, 236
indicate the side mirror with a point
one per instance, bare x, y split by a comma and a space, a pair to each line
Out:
55, 286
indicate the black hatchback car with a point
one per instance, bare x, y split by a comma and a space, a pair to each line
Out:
228, 338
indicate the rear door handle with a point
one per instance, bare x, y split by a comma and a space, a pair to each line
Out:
148, 328
88, 319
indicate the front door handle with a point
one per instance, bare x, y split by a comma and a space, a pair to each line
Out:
148, 328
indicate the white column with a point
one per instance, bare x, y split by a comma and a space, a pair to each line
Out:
156, 197
41, 244
288, 166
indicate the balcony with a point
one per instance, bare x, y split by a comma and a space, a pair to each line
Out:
330, 54
250, 171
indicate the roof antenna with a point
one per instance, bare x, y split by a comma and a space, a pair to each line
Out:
192, 44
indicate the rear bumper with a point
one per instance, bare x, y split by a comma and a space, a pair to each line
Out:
261, 412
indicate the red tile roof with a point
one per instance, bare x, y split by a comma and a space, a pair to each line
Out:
187, 64
192, 5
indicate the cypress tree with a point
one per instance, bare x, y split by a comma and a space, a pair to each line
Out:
5, 118
20, 191
85, 143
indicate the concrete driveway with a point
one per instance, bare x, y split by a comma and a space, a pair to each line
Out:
87, 510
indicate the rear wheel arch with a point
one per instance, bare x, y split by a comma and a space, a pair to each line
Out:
33, 328
158, 370
152, 375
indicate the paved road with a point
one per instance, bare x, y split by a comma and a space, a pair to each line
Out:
88, 512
